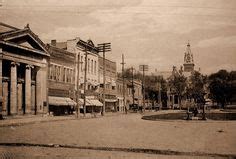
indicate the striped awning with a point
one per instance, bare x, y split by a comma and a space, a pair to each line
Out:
90, 102
96, 102
111, 100
61, 101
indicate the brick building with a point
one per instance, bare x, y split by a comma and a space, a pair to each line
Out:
137, 88
129, 87
110, 86
121, 91
61, 80
24, 66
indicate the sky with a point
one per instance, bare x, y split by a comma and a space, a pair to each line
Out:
152, 32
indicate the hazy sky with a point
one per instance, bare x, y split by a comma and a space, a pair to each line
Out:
153, 32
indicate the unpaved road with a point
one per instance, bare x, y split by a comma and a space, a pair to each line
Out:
125, 131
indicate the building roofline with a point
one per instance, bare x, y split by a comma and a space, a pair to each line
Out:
9, 26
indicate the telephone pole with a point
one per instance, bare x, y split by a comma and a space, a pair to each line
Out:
85, 78
133, 90
123, 76
159, 96
143, 68
104, 47
78, 62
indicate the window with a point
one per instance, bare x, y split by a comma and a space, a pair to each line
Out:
64, 75
95, 67
67, 75
88, 69
81, 64
58, 73
53, 72
50, 71
92, 66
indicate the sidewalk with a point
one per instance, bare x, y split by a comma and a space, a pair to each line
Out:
31, 119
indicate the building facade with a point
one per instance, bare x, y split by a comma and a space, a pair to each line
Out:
134, 93
61, 80
24, 69
110, 83
125, 96
80, 48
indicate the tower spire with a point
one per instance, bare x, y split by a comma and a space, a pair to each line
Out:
188, 59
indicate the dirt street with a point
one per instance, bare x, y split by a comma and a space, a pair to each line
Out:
126, 131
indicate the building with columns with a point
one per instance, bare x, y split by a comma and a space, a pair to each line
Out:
24, 67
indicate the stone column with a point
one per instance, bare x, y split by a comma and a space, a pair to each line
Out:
19, 97
39, 103
33, 98
28, 89
5, 110
13, 90
173, 101
1, 84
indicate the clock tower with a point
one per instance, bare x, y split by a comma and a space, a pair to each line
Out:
188, 60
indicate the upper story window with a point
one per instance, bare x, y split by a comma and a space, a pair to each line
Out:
88, 64
95, 67
54, 72
92, 66
81, 64
61, 73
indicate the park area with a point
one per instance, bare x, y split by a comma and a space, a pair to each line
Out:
120, 136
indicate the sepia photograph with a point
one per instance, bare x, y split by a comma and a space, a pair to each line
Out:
123, 79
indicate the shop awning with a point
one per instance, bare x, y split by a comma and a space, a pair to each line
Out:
91, 102
111, 100
96, 102
88, 102
61, 101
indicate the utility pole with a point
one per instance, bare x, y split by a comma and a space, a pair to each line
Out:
104, 47
123, 76
77, 85
159, 96
85, 78
143, 68
133, 90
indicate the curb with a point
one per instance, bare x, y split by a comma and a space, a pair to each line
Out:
51, 120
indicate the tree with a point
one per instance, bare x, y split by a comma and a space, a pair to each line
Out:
195, 87
221, 86
178, 84
195, 90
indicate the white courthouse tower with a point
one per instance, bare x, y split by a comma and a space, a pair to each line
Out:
188, 60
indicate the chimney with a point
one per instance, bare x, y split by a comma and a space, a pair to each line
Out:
53, 42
